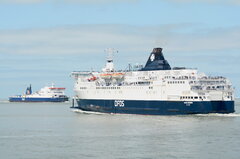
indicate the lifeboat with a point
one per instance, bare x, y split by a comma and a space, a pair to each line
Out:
117, 75
112, 75
106, 75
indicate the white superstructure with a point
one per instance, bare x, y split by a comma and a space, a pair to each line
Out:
178, 84
156, 87
45, 94
49, 92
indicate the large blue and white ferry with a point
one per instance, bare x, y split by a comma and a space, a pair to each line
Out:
156, 89
46, 94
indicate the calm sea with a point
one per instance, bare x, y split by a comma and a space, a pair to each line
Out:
54, 131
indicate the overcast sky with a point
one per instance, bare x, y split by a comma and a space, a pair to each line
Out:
42, 41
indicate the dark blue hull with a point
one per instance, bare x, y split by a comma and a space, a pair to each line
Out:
21, 99
156, 107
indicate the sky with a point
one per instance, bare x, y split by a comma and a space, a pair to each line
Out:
43, 41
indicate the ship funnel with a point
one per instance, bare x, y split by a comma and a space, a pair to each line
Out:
156, 61
29, 90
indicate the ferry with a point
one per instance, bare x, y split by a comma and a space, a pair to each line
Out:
46, 94
155, 89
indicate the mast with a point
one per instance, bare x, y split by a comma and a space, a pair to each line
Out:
109, 67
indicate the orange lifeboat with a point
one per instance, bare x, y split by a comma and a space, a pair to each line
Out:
106, 75
112, 75
118, 75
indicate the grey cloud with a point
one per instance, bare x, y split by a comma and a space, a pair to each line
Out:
94, 38
231, 2
65, 1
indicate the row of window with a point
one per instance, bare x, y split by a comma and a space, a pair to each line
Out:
138, 83
180, 77
176, 82
107, 87
192, 97
116, 87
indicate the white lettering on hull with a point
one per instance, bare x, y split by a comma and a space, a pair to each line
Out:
119, 103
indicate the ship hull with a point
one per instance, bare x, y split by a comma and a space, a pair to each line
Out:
156, 107
27, 99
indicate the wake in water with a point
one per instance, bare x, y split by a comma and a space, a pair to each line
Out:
203, 115
86, 112
220, 115
4, 101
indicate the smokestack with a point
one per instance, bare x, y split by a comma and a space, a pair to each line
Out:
156, 61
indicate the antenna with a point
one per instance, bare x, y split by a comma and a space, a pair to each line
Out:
110, 53
109, 67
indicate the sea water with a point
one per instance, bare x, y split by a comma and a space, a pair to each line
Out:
54, 131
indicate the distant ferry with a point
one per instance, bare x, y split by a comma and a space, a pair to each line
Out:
46, 94
156, 89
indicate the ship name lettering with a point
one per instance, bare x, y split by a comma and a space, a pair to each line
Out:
188, 103
119, 103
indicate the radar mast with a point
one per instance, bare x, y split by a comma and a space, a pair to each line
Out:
109, 67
